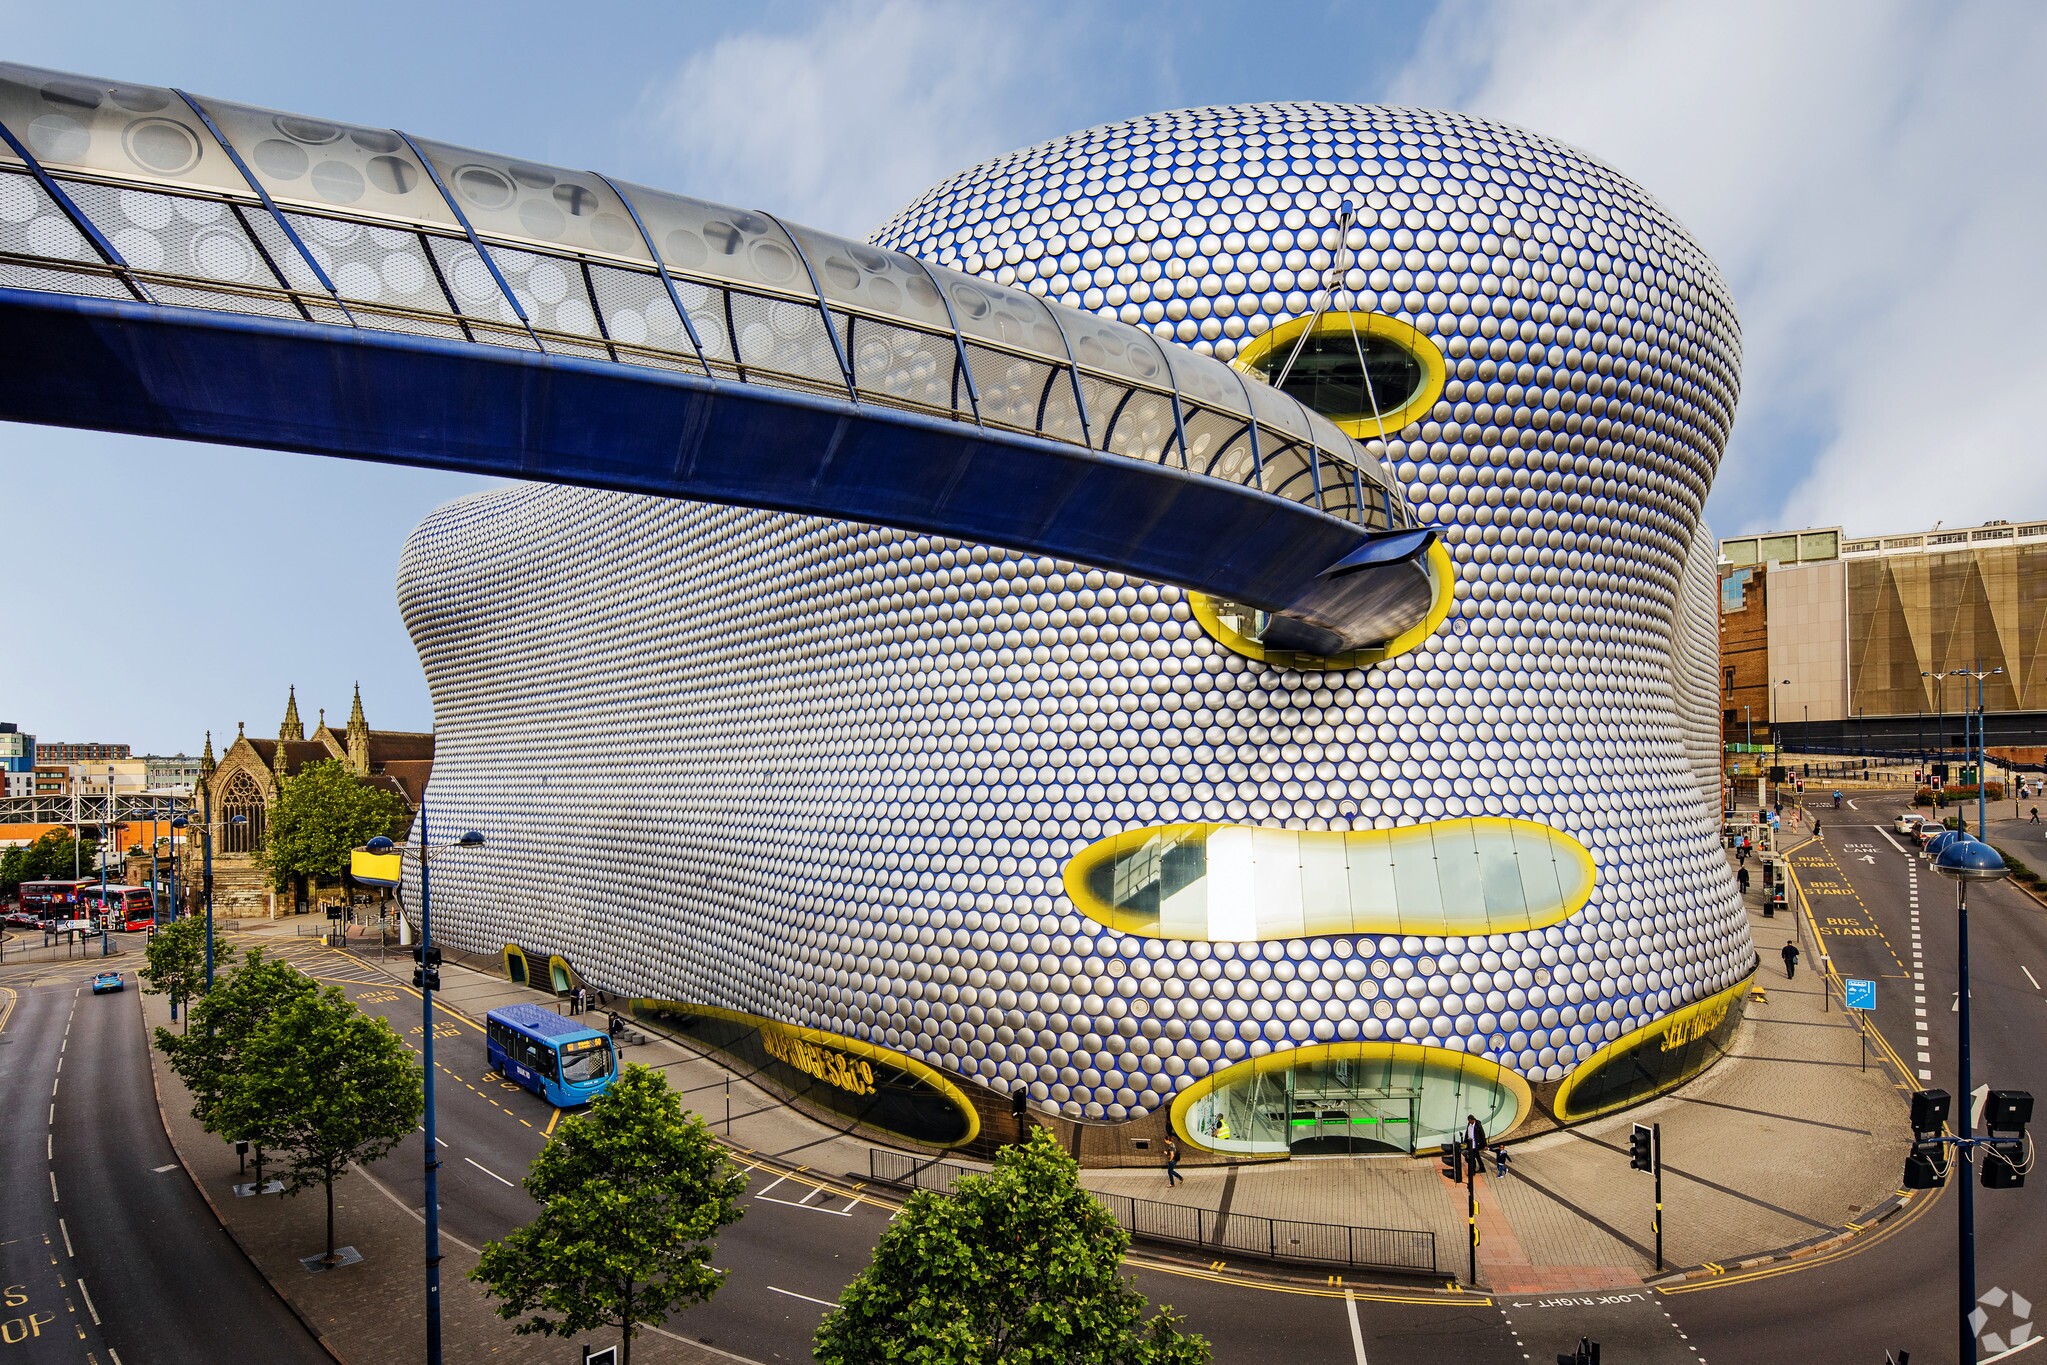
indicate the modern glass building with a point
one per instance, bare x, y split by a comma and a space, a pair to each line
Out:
1031, 826
1286, 719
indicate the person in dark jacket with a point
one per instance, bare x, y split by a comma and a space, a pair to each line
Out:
1790, 961
1741, 879
1474, 1141
1172, 1164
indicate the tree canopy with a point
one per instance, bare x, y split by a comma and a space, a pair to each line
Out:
1017, 1267
321, 813
175, 960
210, 1057
632, 1195
47, 859
321, 1086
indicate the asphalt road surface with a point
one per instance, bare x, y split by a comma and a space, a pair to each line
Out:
107, 1252
1879, 915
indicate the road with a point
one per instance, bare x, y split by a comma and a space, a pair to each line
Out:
1882, 915
1877, 914
107, 1252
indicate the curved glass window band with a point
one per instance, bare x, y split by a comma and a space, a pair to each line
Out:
1325, 376
1222, 883
1654, 1058
1240, 629
1348, 1098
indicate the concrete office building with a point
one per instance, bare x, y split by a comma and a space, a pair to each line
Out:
1837, 642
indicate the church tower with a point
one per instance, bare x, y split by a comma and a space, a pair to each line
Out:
358, 738
293, 729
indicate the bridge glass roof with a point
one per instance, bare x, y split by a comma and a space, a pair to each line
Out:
126, 191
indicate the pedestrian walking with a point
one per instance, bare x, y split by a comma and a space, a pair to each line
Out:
1815, 827
1499, 1162
1741, 879
1474, 1140
1790, 961
1173, 1175
2036, 815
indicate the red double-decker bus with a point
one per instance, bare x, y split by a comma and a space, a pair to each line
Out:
128, 908
48, 902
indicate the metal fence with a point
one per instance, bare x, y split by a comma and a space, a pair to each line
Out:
1275, 1239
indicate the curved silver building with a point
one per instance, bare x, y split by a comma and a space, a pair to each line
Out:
912, 825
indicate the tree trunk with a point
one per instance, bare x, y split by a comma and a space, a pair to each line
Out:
329, 1258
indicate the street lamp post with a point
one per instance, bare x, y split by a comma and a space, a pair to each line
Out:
1962, 861
1979, 673
427, 978
206, 875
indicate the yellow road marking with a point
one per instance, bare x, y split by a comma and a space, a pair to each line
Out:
6, 1010
551, 1122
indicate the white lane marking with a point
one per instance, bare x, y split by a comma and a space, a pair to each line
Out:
113, 1355
1852, 805
2029, 975
159, 1170
1357, 1333
67, 1239
822, 1303
437, 1137
1887, 838
1924, 1074
488, 1171
53, 1189
87, 1295
846, 1212
2022, 1346
49, 1146
778, 1181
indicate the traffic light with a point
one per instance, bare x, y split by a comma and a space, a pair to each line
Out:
1452, 1157
1019, 1105
1926, 1167
427, 974
1929, 1111
1586, 1354
1641, 1148
2006, 1114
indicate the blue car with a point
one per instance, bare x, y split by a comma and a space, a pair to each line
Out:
108, 981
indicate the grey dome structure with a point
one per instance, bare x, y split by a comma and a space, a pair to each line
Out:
843, 797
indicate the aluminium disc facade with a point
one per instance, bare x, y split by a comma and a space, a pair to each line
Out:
951, 805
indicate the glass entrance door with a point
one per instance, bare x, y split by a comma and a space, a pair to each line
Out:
1345, 1109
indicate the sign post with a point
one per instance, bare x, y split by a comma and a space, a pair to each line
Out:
1860, 995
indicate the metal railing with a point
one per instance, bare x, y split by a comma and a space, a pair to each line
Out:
150, 195
1273, 1239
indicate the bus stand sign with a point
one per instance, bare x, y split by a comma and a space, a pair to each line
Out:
1859, 994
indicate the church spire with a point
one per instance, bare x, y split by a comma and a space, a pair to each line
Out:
206, 760
293, 727
358, 738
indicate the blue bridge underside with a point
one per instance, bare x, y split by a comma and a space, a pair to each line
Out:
200, 375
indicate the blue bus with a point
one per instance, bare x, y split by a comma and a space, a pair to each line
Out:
556, 1058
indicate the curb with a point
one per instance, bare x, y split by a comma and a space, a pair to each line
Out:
163, 1119
1816, 1245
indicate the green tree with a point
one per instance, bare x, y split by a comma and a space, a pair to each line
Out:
321, 1085
320, 815
1019, 1267
632, 1196
49, 858
210, 1057
175, 961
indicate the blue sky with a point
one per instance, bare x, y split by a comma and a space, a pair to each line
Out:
1865, 172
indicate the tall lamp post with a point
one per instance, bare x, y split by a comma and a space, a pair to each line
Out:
1962, 861
1979, 673
427, 977
206, 875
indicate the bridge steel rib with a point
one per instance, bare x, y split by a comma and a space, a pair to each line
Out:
159, 277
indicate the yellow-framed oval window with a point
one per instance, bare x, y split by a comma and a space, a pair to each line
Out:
1219, 883
1369, 373
1241, 629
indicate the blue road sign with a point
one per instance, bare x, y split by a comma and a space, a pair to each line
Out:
1861, 995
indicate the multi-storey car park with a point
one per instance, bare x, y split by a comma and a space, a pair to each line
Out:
1330, 753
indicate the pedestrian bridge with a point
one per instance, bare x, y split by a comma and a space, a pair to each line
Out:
186, 267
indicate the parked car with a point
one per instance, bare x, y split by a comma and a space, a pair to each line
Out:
108, 981
1908, 823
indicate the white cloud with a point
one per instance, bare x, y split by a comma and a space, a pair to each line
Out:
843, 122
1868, 173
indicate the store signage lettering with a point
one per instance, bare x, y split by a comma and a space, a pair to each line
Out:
850, 1074
1697, 1027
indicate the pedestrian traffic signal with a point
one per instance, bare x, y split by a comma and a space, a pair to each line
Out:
1929, 1110
1642, 1148
427, 975
1452, 1157
1925, 1167
2008, 1111
1019, 1104
1586, 1354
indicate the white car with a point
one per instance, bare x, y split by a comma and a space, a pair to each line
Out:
1909, 823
